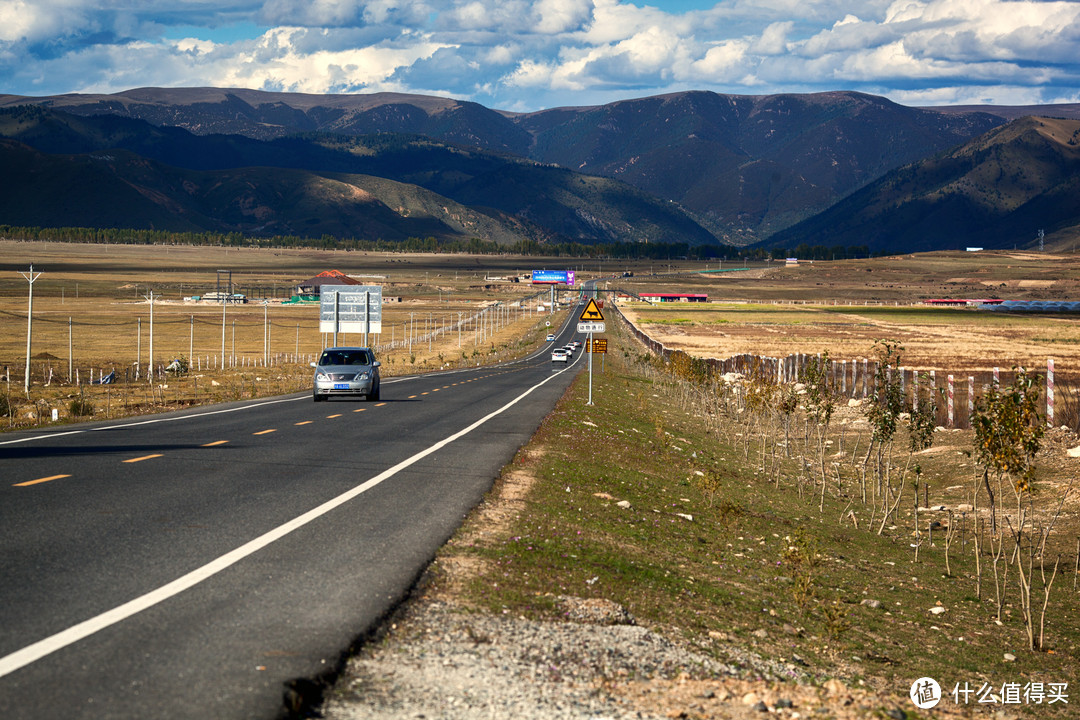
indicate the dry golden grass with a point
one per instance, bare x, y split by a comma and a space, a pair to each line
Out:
952, 340
91, 316
844, 307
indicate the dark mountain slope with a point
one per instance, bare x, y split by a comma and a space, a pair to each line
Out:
995, 191
548, 204
745, 166
751, 164
118, 189
267, 115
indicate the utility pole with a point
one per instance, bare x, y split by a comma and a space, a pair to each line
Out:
266, 337
30, 277
224, 305
150, 361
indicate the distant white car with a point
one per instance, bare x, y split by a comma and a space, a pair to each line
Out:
551, 338
559, 355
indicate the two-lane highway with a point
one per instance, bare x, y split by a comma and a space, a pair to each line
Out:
193, 564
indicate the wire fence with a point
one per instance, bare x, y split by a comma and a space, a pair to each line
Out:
956, 392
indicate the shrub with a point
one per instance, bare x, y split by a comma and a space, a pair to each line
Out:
80, 407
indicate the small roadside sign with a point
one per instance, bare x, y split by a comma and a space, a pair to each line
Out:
596, 345
590, 327
592, 313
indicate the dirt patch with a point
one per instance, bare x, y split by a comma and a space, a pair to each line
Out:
489, 523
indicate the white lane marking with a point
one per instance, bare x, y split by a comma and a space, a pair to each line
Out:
36, 651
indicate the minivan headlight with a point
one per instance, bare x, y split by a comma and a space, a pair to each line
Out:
321, 376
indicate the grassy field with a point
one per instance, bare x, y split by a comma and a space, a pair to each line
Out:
943, 339
703, 528
92, 317
896, 279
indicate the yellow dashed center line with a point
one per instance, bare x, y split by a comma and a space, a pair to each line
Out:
411, 397
144, 457
28, 483
425, 393
216, 443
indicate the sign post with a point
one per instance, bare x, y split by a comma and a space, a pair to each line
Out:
591, 321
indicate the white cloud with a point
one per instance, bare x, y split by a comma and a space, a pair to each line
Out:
560, 16
721, 60
532, 53
312, 13
37, 21
773, 40
275, 63
533, 17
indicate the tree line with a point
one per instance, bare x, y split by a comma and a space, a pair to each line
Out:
430, 244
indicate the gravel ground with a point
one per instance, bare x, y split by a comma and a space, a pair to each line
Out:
437, 661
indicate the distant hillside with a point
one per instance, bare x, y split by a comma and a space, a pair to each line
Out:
268, 115
118, 189
996, 191
751, 165
745, 166
454, 191
1066, 111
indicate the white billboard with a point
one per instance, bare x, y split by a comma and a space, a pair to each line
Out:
350, 309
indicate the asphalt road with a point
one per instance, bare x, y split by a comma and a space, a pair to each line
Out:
198, 564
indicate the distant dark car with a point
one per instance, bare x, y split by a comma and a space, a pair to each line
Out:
346, 371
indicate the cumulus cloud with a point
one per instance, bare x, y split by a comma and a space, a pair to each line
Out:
312, 13
528, 54
34, 22
773, 40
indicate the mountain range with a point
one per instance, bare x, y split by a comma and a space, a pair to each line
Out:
998, 190
695, 167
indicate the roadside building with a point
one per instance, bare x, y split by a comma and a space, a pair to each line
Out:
675, 297
313, 287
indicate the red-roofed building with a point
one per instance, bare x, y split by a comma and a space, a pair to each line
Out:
328, 277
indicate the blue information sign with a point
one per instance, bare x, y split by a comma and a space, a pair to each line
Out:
553, 277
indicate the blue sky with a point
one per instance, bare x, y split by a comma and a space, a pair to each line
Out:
526, 55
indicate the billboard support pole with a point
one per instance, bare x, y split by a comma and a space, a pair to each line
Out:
337, 299
589, 343
367, 315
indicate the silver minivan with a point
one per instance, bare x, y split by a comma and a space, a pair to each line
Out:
346, 371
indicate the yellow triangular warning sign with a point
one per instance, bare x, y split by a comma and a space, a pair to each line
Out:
592, 313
